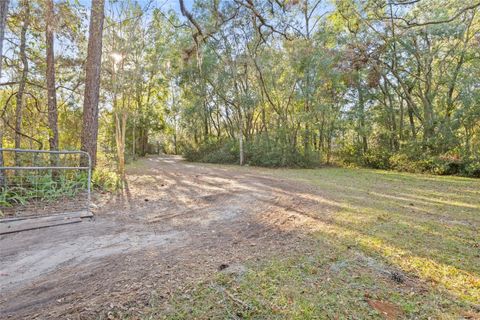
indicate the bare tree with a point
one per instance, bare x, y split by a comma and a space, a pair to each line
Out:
92, 81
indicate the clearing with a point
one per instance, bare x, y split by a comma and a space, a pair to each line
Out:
190, 240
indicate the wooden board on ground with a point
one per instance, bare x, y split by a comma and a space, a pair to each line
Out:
13, 225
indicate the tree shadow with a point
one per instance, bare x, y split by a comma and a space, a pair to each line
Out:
434, 238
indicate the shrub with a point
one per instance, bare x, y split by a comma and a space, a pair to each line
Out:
44, 187
350, 155
41, 187
377, 159
275, 156
269, 153
224, 152
106, 180
447, 164
213, 152
426, 165
259, 152
472, 169
402, 162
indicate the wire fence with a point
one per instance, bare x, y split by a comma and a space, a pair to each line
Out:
41, 183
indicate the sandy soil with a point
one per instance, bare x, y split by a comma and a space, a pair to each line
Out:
175, 224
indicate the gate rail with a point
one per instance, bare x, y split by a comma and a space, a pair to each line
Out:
37, 169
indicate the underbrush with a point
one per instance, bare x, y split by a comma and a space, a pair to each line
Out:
106, 179
213, 152
413, 161
267, 153
41, 187
258, 153
45, 187
446, 164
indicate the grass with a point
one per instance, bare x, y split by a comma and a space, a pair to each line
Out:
23, 189
426, 225
425, 228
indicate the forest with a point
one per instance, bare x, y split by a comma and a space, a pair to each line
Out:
239, 159
382, 84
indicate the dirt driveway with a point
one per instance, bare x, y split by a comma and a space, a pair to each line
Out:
175, 224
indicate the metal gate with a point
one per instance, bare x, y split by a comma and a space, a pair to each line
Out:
40, 183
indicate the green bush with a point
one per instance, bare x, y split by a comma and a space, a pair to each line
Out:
402, 162
448, 164
213, 152
227, 152
349, 155
11, 196
377, 159
42, 187
264, 153
258, 152
426, 165
45, 187
106, 180
268, 153
472, 169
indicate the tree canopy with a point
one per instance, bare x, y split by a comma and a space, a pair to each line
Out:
385, 84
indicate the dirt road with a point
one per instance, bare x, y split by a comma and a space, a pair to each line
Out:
175, 224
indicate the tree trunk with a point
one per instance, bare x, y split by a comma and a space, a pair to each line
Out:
120, 130
205, 120
3, 17
51, 91
134, 152
23, 79
92, 81
363, 133
428, 125
242, 154
412, 122
240, 137
402, 115
175, 129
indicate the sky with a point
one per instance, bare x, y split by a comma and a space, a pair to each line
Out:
165, 4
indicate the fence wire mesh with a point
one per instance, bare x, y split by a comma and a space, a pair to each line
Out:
40, 183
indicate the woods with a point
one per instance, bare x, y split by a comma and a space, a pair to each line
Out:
138, 137
382, 84
387, 85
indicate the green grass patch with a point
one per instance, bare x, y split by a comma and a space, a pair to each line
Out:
426, 225
334, 283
